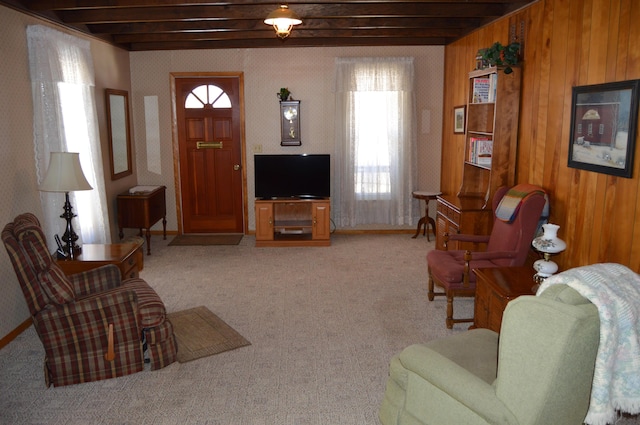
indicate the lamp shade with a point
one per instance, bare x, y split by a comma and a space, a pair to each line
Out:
283, 20
549, 242
64, 173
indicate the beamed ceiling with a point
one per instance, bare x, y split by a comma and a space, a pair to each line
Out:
138, 25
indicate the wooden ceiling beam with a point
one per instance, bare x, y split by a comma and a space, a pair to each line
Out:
247, 25
108, 4
306, 11
289, 42
297, 33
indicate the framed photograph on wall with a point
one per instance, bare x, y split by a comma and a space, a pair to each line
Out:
459, 116
603, 127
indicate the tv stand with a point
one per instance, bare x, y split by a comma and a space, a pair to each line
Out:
293, 222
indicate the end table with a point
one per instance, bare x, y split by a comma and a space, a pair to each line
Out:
127, 256
495, 287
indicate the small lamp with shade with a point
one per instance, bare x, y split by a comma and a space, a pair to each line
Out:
65, 175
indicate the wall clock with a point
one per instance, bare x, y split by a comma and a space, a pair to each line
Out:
290, 123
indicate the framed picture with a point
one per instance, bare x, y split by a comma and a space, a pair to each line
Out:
459, 116
290, 123
603, 127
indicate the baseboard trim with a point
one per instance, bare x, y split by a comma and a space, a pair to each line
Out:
14, 333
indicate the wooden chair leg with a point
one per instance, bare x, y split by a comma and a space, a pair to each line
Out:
449, 320
431, 294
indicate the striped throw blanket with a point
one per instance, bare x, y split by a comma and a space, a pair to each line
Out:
510, 204
615, 290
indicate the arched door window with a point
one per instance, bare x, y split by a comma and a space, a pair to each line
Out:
207, 97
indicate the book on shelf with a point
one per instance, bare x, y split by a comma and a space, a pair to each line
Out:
480, 151
484, 89
493, 84
481, 89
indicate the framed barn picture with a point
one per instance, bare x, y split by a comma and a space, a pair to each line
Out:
603, 127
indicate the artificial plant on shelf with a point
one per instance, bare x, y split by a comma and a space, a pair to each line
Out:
504, 56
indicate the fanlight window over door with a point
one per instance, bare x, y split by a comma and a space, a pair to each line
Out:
207, 96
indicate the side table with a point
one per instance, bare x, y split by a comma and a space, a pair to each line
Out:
495, 287
142, 209
426, 197
127, 256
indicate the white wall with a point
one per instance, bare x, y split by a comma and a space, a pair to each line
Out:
308, 73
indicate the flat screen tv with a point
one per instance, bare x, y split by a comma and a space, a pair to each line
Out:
292, 176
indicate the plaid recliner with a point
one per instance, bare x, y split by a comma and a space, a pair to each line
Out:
72, 314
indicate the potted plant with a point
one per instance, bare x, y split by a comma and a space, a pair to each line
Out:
499, 55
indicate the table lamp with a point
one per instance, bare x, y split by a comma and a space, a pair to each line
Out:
548, 244
65, 175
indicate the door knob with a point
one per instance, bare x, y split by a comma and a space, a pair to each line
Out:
236, 167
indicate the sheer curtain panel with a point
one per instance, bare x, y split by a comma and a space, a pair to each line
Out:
375, 162
65, 120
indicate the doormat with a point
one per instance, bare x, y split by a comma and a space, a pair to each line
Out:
200, 333
203, 240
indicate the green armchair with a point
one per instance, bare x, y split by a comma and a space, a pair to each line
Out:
539, 369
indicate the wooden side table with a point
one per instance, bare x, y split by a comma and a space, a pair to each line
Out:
127, 256
495, 287
424, 221
141, 210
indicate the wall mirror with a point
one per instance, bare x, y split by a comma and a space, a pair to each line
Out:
119, 132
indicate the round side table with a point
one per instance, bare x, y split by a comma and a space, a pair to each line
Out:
424, 221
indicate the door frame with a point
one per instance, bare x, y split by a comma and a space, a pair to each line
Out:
176, 144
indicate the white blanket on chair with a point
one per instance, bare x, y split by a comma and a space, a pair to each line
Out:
615, 290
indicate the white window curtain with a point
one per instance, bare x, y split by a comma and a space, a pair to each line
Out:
375, 162
65, 120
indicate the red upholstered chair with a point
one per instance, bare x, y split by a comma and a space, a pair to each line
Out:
73, 314
507, 246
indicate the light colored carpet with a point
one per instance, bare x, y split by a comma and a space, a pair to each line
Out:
200, 333
205, 240
323, 324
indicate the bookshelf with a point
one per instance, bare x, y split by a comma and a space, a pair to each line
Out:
492, 132
491, 140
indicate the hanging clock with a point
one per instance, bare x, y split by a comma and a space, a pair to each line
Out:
290, 123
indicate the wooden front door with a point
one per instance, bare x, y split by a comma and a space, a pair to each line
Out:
208, 113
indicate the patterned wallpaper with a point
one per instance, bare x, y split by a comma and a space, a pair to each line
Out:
308, 73
19, 191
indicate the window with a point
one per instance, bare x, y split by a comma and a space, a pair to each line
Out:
208, 96
375, 141
65, 120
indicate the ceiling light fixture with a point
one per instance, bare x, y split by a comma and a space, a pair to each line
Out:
283, 20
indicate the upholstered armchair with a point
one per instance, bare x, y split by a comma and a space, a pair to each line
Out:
92, 325
538, 372
517, 213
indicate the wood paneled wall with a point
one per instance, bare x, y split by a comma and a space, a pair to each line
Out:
566, 44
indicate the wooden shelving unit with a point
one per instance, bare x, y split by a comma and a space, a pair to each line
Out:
297, 222
492, 115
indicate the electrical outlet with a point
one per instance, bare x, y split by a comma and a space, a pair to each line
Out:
257, 148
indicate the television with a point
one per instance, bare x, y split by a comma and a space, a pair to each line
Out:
292, 176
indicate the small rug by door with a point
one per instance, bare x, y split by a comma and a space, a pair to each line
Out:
201, 333
202, 240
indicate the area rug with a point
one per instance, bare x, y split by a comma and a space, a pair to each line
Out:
220, 239
201, 333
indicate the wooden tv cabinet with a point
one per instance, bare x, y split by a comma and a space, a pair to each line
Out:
293, 222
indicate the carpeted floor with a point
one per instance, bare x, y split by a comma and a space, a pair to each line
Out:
323, 324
